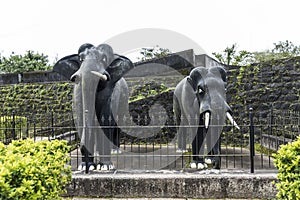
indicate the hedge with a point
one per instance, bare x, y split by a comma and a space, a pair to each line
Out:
287, 161
34, 170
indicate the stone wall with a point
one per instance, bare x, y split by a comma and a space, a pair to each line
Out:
273, 85
261, 86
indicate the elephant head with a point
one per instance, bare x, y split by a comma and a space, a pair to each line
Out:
98, 80
200, 103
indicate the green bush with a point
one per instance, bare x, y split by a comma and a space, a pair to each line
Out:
287, 161
6, 127
34, 170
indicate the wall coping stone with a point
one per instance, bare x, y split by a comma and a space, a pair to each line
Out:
187, 183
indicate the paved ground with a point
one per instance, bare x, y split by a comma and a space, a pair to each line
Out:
142, 157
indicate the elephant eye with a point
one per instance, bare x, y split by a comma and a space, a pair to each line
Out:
200, 91
104, 59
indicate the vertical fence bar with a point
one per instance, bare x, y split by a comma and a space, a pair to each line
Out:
86, 154
13, 126
52, 123
252, 150
271, 132
34, 127
27, 126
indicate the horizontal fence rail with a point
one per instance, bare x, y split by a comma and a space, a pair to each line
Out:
145, 145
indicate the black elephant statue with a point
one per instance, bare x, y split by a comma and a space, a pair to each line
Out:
200, 110
99, 91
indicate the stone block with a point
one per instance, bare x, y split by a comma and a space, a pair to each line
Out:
174, 185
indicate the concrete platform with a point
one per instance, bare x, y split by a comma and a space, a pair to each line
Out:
145, 172
212, 184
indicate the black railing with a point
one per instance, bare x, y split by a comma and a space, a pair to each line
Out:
156, 147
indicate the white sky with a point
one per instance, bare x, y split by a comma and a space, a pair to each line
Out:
59, 27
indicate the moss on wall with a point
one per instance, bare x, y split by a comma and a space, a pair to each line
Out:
265, 86
26, 99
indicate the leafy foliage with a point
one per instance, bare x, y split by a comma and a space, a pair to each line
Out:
34, 170
287, 160
230, 56
281, 50
153, 52
150, 88
31, 61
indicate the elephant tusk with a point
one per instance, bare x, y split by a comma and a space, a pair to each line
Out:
229, 116
101, 76
206, 119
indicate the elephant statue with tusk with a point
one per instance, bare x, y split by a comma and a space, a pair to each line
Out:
100, 91
200, 110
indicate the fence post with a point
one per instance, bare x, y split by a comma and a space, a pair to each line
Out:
13, 126
86, 154
52, 123
252, 149
34, 127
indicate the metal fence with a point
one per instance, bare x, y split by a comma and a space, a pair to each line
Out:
249, 149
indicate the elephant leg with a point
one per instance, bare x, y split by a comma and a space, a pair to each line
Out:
197, 144
198, 148
116, 140
181, 124
86, 155
214, 148
87, 143
216, 152
182, 136
107, 144
87, 159
104, 148
104, 138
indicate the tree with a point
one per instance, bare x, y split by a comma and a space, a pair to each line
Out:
153, 52
281, 50
31, 61
230, 56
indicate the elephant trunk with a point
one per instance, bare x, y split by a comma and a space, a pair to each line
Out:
85, 88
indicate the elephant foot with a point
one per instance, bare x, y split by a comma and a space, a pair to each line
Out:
181, 151
91, 166
198, 165
105, 166
215, 162
116, 151
209, 161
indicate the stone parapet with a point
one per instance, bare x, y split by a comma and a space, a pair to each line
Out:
211, 184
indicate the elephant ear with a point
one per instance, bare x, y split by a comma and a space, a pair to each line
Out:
67, 66
191, 82
196, 76
119, 67
219, 71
